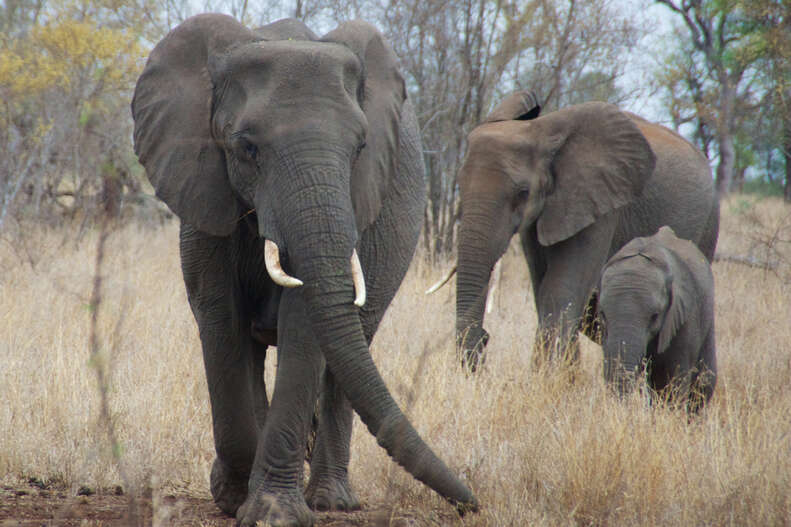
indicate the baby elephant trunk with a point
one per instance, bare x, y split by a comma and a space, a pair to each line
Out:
624, 353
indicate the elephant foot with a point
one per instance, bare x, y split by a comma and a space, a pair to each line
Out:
228, 488
331, 494
278, 509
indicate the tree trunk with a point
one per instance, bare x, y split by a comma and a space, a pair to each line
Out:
787, 157
727, 163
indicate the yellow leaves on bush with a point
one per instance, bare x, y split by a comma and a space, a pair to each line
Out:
70, 55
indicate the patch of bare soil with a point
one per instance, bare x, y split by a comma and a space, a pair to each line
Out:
40, 505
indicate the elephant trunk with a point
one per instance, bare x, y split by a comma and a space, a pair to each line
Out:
480, 246
624, 350
320, 235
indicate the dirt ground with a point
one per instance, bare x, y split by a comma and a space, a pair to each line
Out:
43, 505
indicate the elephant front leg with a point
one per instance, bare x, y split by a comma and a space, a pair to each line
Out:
236, 390
560, 304
329, 487
571, 271
228, 372
275, 487
556, 338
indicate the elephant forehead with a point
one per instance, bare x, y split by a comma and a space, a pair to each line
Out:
292, 58
501, 151
635, 270
502, 136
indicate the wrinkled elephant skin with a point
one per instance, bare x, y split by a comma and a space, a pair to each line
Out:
656, 303
294, 164
576, 185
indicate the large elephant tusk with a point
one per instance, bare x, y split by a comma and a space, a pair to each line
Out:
444, 280
496, 272
358, 279
276, 272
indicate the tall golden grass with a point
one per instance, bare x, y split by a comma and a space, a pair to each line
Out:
535, 448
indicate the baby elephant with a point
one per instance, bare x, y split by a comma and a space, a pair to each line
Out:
656, 306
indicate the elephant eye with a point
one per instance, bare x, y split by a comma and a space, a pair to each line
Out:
360, 148
522, 195
251, 150
246, 147
654, 318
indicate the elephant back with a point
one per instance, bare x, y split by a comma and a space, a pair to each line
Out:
680, 194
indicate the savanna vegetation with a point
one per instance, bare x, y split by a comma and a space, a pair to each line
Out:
101, 376
536, 448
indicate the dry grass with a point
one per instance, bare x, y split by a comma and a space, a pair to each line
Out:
535, 448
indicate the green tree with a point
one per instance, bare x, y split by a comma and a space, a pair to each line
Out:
768, 22
727, 71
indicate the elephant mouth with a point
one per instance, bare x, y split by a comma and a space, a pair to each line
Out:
282, 278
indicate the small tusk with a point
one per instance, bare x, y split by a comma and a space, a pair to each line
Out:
496, 272
444, 280
272, 260
358, 279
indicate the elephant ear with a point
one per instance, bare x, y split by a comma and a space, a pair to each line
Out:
599, 161
689, 280
681, 302
172, 110
520, 106
383, 97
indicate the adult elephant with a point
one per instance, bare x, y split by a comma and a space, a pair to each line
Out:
576, 184
294, 164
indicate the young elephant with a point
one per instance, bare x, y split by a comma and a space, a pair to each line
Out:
656, 305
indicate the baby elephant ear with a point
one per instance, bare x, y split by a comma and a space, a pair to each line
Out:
383, 100
172, 112
519, 106
689, 278
678, 309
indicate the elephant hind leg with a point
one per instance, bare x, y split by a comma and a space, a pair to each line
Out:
264, 320
329, 487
